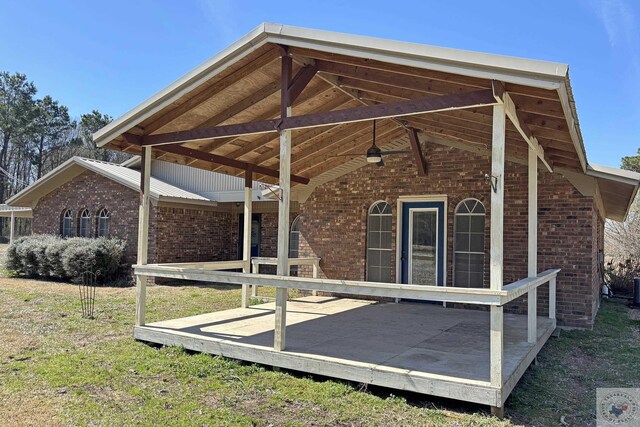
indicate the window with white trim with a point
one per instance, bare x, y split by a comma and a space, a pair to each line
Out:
84, 223
468, 249
66, 224
379, 243
104, 218
294, 243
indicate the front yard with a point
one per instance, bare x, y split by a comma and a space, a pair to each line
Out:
59, 369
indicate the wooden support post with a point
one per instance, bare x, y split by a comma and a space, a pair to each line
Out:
497, 196
496, 345
246, 244
12, 226
552, 299
255, 268
143, 234
497, 243
279, 338
532, 297
315, 276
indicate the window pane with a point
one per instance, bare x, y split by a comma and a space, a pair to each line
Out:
476, 263
374, 239
475, 280
385, 258
385, 240
374, 223
477, 224
477, 242
386, 223
462, 242
462, 223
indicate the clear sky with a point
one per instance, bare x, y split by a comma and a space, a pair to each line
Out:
111, 55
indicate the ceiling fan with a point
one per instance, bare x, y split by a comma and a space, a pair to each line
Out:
374, 153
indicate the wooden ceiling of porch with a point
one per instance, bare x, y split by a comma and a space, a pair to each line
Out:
249, 91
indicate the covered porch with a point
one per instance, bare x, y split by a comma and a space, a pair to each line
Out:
235, 114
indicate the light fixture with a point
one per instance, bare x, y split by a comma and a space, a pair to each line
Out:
374, 154
493, 180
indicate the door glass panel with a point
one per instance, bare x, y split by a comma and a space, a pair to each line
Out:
423, 248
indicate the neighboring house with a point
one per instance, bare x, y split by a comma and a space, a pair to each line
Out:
91, 198
486, 198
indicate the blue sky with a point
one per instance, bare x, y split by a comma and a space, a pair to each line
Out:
112, 55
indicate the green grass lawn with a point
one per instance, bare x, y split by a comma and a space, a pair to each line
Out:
59, 369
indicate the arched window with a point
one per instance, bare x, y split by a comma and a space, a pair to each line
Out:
103, 223
294, 238
468, 250
84, 224
294, 243
379, 243
67, 223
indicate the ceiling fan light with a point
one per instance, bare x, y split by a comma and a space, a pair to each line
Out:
374, 155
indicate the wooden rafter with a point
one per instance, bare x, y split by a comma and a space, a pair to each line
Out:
206, 93
421, 163
379, 111
511, 112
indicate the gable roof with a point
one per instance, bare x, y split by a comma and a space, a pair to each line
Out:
241, 85
159, 190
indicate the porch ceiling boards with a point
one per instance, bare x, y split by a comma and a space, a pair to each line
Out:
248, 91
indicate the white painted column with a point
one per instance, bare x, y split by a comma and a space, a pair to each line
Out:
497, 197
283, 237
497, 242
246, 244
552, 300
12, 227
143, 234
532, 297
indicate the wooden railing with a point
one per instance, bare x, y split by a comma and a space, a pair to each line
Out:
256, 262
212, 272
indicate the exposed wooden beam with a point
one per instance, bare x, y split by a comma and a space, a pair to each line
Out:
396, 109
225, 131
221, 160
511, 111
300, 81
379, 111
421, 163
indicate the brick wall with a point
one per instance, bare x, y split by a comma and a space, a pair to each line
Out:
185, 235
334, 222
93, 192
175, 234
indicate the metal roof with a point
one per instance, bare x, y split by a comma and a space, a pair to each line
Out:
130, 178
18, 211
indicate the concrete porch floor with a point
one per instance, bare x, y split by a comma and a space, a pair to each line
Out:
424, 348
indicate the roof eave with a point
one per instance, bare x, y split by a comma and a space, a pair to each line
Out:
540, 74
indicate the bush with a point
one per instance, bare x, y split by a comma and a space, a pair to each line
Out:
620, 274
48, 256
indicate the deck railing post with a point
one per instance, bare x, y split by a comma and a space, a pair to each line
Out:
552, 299
496, 345
532, 297
143, 234
246, 248
12, 226
316, 265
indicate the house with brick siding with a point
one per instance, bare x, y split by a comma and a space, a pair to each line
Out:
449, 220
90, 198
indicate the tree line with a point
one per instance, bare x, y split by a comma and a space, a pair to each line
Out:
38, 134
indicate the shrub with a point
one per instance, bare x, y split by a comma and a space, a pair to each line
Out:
620, 274
52, 257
